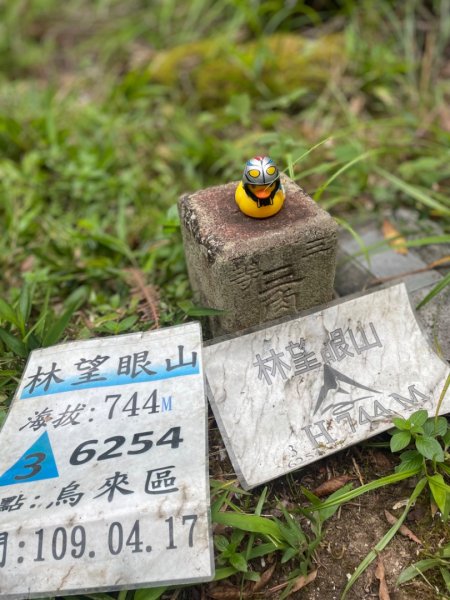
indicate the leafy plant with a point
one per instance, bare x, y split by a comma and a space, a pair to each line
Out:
19, 338
439, 560
228, 550
431, 438
254, 536
429, 460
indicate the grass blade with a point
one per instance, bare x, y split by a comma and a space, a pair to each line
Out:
416, 569
252, 523
383, 245
445, 281
258, 511
413, 191
344, 168
327, 513
364, 249
199, 311
25, 302
439, 490
7, 313
224, 573
446, 577
149, 594
13, 343
385, 539
55, 332
262, 550
291, 163
290, 166
369, 487
441, 400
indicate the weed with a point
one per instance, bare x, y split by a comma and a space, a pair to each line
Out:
428, 462
255, 536
431, 438
440, 560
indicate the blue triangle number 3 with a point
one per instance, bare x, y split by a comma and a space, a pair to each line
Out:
36, 463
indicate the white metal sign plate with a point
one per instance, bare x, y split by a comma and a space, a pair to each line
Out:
103, 467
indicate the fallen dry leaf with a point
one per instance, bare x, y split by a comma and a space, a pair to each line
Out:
356, 105
300, 582
389, 233
358, 471
403, 529
303, 581
330, 486
28, 263
400, 504
148, 296
381, 460
89, 324
439, 262
383, 592
265, 578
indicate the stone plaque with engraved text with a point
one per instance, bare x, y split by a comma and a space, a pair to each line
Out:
287, 394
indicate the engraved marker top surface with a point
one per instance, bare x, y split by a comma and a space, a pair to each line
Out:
237, 234
288, 394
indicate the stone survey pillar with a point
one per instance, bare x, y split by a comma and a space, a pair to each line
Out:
257, 270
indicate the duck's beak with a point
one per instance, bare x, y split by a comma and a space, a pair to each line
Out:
262, 191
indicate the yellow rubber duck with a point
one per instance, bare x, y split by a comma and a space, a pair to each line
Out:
260, 193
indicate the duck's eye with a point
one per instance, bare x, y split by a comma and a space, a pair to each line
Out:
254, 173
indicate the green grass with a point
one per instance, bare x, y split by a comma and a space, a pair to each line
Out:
109, 110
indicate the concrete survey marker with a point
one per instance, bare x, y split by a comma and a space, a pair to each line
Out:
103, 467
257, 270
288, 394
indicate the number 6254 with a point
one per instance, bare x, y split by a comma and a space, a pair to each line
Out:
140, 443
